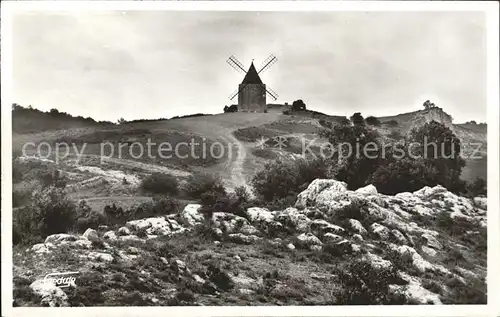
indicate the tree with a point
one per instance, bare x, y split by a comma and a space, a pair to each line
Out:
121, 121
428, 105
347, 163
232, 108
298, 105
371, 120
440, 147
357, 119
344, 121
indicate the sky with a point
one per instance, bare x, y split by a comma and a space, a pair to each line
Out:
159, 64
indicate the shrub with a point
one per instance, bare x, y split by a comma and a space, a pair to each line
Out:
298, 105
232, 108
478, 187
396, 135
391, 123
159, 183
357, 119
50, 212
371, 120
201, 183
279, 179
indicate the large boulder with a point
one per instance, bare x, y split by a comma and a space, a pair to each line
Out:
367, 190
257, 214
153, 226
191, 215
431, 241
320, 227
229, 223
61, 237
481, 202
357, 227
241, 238
380, 231
308, 240
91, 235
50, 294
293, 218
309, 195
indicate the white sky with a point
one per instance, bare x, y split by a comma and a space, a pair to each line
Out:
151, 64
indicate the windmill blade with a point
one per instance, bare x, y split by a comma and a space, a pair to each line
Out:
236, 64
234, 94
272, 93
237, 91
268, 62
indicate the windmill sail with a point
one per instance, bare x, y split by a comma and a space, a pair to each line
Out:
270, 61
236, 64
272, 93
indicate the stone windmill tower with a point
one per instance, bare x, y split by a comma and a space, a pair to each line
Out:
252, 91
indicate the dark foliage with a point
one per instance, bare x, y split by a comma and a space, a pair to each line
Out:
231, 108
159, 183
371, 120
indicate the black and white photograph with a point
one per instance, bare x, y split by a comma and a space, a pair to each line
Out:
249, 157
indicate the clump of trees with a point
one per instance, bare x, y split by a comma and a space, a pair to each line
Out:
371, 120
231, 108
298, 105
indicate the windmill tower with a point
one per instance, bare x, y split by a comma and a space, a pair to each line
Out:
252, 91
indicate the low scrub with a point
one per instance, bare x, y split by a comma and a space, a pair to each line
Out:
159, 183
280, 179
49, 212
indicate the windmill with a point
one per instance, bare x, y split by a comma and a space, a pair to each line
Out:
252, 91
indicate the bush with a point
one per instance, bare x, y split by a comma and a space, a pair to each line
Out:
357, 119
391, 123
371, 120
396, 135
477, 188
298, 105
279, 179
232, 108
159, 183
363, 285
50, 212
201, 183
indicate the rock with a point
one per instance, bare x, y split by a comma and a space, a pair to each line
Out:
246, 291
422, 210
50, 294
110, 235
380, 231
91, 235
249, 230
294, 219
237, 258
427, 191
332, 238
217, 243
431, 241
481, 202
198, 279
317, 186
42, 248
83, 243
100, 256
131, 237
428, 251
60, 237
257, 214
398, 236
153, 226
191, 215
417, 261
355, 248
133, 250
243, 239
321, 226
316, 248
357, 237
367, 190
229, 223
290, 246
376, 262
414, 291
357, 226
243, 281
124, 231
217, 232
307, 240
102, 227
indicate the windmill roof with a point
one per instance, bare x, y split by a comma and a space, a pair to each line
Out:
252, 77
